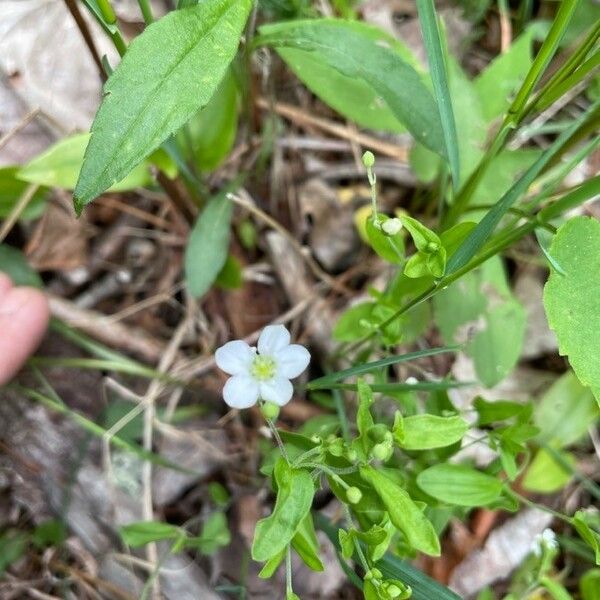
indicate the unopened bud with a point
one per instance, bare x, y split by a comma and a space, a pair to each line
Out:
269, 410
368, 159
432, 247
353, 495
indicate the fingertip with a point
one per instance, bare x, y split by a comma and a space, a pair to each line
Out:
5, 283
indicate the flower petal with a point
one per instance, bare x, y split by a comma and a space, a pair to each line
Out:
273, 339
234, 357
240, 391
291, 361
278, 390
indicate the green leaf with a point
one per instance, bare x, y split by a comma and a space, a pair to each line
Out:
210, 134
294, 499
305, 543
422, 236
476, 308
499, 410
439, 77
206, 252
49, 533
390, 248
13, 545
572, 301
12, 189
272, 565
503, 76
353, 50
545, 475
230, 277
215, 535
479, 236
459, 485
565, 412
145, 532
59, 167
404, 513
169, 72
589, 585
350, 326
15, 265
424, 432
587, 534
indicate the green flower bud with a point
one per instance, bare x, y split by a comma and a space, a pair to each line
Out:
353, 495
368, 159
377, 433
373, 574
393, 591
382, 451
432, 247
269, 410
352, 455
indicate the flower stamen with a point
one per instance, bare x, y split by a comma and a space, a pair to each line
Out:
263, 368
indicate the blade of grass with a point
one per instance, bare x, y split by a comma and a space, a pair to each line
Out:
439, 77
378, 364
97, 430
423, 386
477, 238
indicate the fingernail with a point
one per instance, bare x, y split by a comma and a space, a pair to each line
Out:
14, 301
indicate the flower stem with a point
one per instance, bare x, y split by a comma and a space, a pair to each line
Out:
278, 440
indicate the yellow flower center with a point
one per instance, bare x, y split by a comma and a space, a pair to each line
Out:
263, 368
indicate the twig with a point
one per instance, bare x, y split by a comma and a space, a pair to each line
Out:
86, 35
30, 116
17, 210
101, 328
299, 117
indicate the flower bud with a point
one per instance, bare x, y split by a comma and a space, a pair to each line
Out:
382, 451
373, 574
391, 226
432, 247
269, 410
377, 432
352, 455
353, 495
368, 159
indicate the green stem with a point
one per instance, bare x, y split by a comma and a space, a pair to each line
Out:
532, 504
288, 571
146, 11
278, 440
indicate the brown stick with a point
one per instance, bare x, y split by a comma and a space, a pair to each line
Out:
87, 36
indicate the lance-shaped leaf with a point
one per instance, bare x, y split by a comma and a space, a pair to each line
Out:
168, 73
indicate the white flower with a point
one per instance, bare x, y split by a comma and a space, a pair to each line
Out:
264, 374
545, 539
391, 226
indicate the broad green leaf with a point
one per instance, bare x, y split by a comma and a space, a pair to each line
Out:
351, 97
272, 565
423, 432
145, 532
15, 265
565, 412
589, 585
210, 134
477, 308
352, 50
404, 513
422, 236
499, 410
12, 189
305, 543
169, 72
294, 498
390, 248
545, 475
59, 167
230, 276
49, 533
459, 485
503, 76
572, 301
206, 252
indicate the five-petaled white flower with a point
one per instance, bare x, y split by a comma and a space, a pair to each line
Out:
264, 374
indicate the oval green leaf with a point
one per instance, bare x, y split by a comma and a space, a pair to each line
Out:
460, 485
424, 432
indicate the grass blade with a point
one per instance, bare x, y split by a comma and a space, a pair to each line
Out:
488, 224
378, 364
422, 386
439, 77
